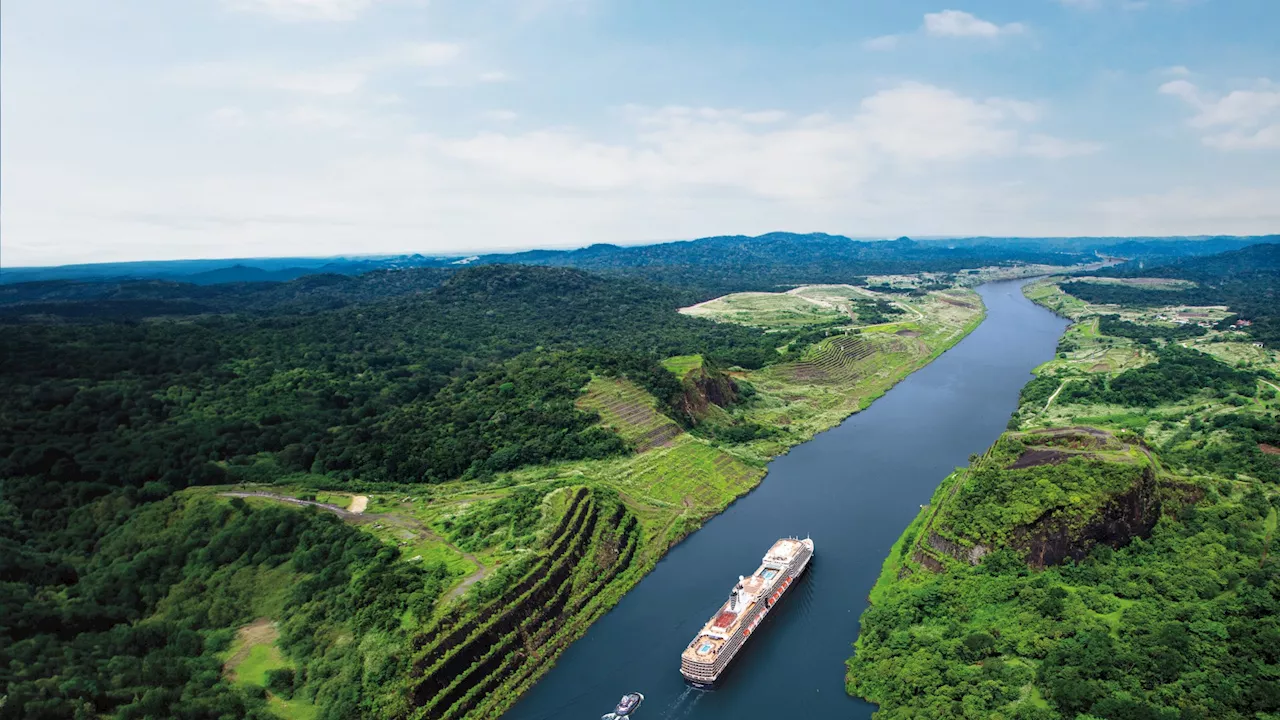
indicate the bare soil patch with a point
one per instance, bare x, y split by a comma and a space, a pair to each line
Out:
953, 301
1035, 457
259, 632
908, 333
1100, 367
1269, 449
358, 504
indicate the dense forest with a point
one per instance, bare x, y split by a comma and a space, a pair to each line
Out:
441, 377
135, 300
124, 636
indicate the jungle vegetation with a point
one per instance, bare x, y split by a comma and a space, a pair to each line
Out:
119, 596
1171, 609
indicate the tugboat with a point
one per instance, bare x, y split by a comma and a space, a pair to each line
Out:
626, 706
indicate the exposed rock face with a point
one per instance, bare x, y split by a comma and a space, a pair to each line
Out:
1054, 538
703, 388
927, 561
972, 555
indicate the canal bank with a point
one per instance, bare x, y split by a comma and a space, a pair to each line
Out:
853, 489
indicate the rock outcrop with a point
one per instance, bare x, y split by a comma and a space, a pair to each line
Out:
1054, 538
704, 387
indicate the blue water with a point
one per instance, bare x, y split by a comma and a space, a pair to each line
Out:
853, 489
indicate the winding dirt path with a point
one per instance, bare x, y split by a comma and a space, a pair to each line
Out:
1054, 396
354, 514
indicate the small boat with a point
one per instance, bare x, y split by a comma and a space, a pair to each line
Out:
626, 706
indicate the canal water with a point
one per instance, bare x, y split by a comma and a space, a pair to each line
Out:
853, 489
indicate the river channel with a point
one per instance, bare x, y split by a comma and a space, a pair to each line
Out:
853, 489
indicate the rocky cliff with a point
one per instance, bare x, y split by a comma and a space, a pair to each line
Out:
1058, 536
704, 387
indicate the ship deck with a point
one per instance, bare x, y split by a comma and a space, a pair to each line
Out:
727, 620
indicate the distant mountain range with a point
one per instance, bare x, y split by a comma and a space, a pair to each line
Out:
683, 261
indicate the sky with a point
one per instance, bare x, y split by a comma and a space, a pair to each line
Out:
134, 130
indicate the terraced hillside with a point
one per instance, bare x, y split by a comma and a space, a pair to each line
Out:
689, 474
475, 660
836, 359
629, 411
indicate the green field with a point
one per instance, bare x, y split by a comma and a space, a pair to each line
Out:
261, 659
249, 660
682, 365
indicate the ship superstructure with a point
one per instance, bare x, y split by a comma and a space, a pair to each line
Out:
750, 600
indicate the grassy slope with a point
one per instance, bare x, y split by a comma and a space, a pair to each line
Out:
251, 657
969, 602
670, 489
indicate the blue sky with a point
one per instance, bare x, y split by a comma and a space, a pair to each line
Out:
243, 128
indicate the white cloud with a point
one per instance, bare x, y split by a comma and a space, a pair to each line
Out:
413, 55
345, 78
315, 117
1129, 5
884, 42
1046, 146
957, 23
1193, 211
501, 116
230, 116
1177, 71
1246, 119
233, 75
766, 154
303, 10
330, 177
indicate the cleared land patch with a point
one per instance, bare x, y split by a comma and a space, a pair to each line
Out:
254, 653
629, 411
767, 310
682, 365
1145, 283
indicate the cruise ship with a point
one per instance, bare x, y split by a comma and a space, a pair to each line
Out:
706, 658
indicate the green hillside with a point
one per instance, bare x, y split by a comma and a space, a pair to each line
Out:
1109, 557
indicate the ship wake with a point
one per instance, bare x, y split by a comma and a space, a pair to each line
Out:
683, 705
